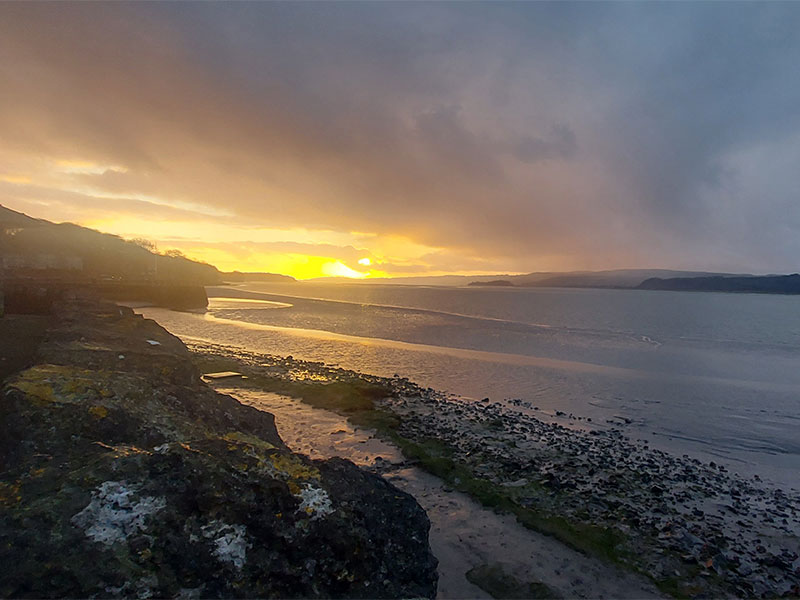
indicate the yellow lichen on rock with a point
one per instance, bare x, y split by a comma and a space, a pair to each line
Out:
287, 467
292, 467
98, 412
59, 384
250, 440
38, 390
9, 493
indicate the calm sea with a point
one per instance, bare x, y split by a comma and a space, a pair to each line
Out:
715, 376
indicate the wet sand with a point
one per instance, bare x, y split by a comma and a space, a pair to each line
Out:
463, 533
694, 527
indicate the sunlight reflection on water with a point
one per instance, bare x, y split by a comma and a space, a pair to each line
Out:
737, 403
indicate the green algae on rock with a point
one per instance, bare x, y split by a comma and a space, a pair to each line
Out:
124, 475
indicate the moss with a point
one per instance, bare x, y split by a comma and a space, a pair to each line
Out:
591, 539
377, 419
251, 440
436, 458
337, 396
209, 363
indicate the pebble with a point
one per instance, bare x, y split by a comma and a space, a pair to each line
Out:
678, 512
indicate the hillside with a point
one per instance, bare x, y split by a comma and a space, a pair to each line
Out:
492, 283
618, 278
237, 276
38, 248
767, 284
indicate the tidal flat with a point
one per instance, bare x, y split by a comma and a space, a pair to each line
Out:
692, 528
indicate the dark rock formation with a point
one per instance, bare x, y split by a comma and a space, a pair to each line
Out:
124, 475
34, 296
765, 284
174, 296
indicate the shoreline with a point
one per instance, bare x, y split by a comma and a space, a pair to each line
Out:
123, 475
671, 414
476, 547
691, 527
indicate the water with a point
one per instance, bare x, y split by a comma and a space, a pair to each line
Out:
713, 375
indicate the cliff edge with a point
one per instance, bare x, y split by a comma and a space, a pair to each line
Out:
122, 474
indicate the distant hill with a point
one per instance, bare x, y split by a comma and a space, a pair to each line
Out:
235, 276
40, 249
765, 284
492, 283
618, 278
437, 280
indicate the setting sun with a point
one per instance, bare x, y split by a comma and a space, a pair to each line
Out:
339, 269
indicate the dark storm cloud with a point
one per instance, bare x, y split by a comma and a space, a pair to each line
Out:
593, 135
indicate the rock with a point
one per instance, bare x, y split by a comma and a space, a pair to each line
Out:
515, 484
132, 478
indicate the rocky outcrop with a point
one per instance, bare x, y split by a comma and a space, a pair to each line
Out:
124, 475
174, 296
44, 296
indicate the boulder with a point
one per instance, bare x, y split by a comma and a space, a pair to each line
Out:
124, 475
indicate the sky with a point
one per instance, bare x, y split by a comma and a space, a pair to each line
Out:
394, 139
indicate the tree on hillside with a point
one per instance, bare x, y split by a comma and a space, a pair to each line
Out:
144, 243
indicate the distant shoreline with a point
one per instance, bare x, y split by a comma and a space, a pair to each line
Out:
785, 285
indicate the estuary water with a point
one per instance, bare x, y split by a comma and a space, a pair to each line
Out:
716, 376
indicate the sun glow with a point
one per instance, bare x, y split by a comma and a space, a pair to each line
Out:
365, 261
85, 167
339, 269
16, 179
299, 266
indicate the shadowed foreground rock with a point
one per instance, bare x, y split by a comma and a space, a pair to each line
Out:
123, 475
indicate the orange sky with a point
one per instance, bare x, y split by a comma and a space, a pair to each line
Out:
404, 139
57, 189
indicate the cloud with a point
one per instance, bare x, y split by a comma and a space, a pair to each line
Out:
560, 143
532, 135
